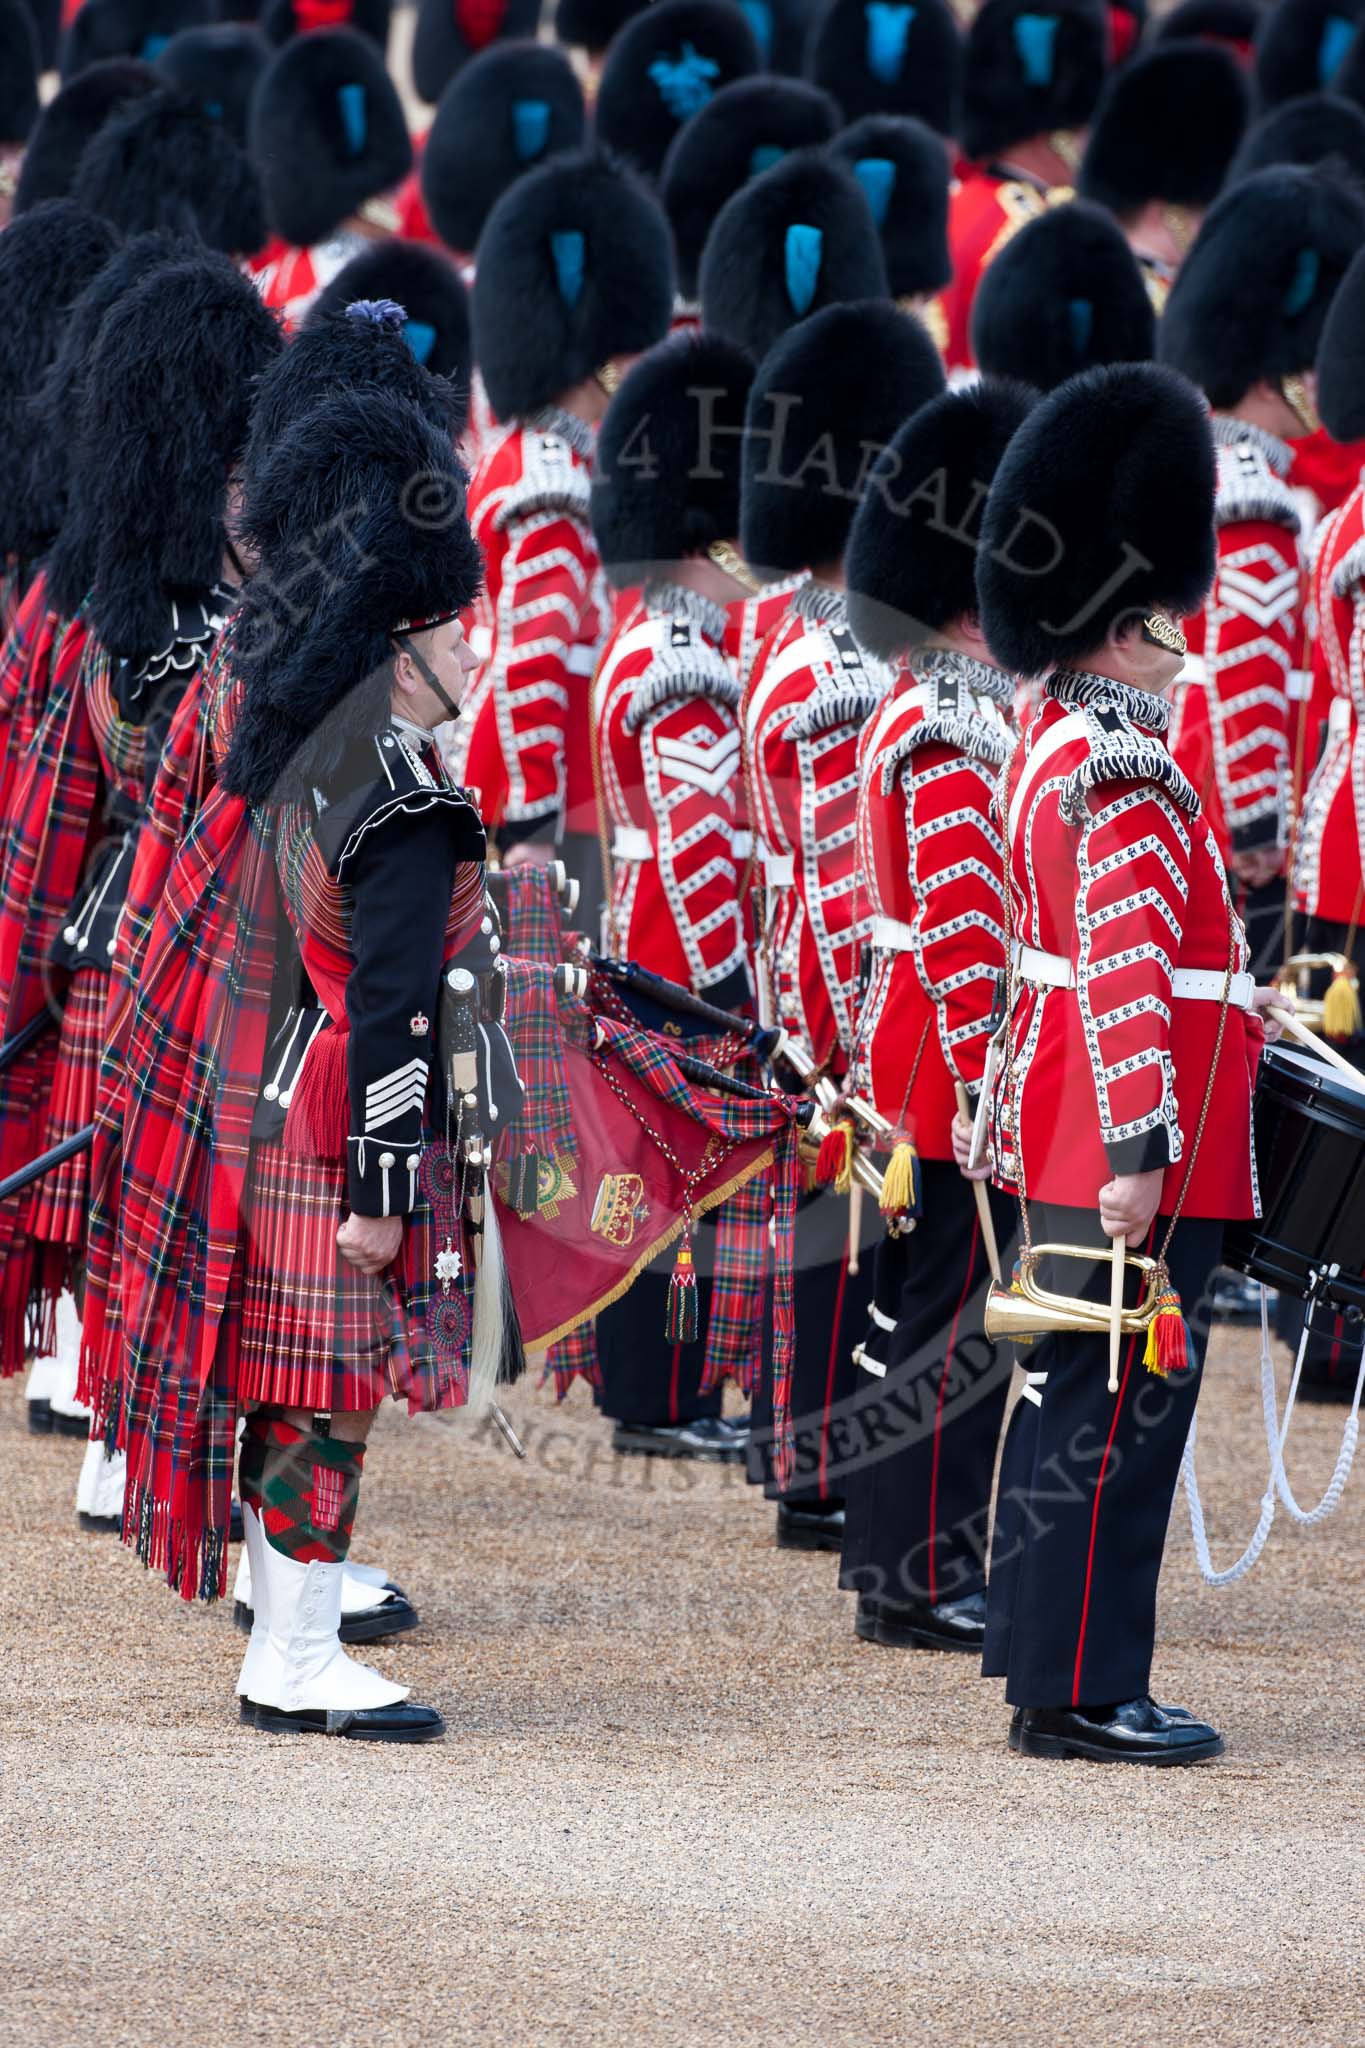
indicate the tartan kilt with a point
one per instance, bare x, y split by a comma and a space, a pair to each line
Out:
59, 1209
316, 1333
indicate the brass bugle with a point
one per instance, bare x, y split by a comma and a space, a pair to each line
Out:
1028, 1310
1294, 976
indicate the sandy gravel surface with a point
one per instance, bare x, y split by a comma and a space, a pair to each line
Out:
679, 1803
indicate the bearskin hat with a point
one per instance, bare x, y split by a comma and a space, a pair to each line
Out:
903, 169
1166, 129
57, 507
359, 514
164, 410
47, 258
1320, 128
1350, 76
591, 24
739, 134
1069, 296
681, 408
663, 68
1341, 359
1029, 70
425, 283
19, 62
451, 33
879, 59
66, 124
911, 562
1301, 46
574, 267
782, 31
827, 397
1102, 507
162, 162
799, 237
1253, 293
1231, 23
218, 66
127, 28
282, 20
509, 109
327, 133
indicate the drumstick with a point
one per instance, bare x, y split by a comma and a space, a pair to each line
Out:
1323, 1050
1116, 1309
983, 1199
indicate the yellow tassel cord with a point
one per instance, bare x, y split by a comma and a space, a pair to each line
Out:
1169, 1348
834, 1166
900, 1183
1341, 1008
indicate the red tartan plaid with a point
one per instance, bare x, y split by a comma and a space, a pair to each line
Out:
329, 1494
60, 1205
532, 918
573, 1358
31, 637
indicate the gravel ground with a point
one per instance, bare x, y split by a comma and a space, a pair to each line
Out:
678, 1802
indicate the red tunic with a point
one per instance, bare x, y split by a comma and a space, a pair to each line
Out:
291, 279
985, 210
932, 859
1329, 469
523, 741
665, 721
1117, 882
1231, 718
811, 693
1327, 868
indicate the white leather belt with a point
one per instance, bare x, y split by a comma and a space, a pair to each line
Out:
1299, 685
1188, 984
631, 842
1339, 717
891, 935
779, 870
741, 844
581, 658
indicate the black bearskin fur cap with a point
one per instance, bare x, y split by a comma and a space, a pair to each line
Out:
58, 505
1030, 69
1350, 77
508, 110
163, 422
327, 133
1064, 295
1341, 359
666, 477
219, 66
1320, 128
127, 28
359, 349
1253, 293
47, 258
280, 21
1301, 46
828, 397
1233, 23
574, 267
877, 59
425, 283
19, 63
903, 169
662, 68
591, 24
1166, 128
911, 562
800, 237
359, 513
67, 123
162, 162
451, 33
782, 31
747, 128
1102, 507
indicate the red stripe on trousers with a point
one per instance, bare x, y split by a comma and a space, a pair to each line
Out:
938, 1406
830, 1364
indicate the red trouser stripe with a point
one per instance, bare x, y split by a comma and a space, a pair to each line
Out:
938, 1407
830, 1365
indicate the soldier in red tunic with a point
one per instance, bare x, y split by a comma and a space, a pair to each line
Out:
926, 1422
1243, 323
665, 511
1122, 1105
574, 280
1032, 77
827, 399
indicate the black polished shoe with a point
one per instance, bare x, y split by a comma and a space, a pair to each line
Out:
810, 1525
39, 1418
370, 1625
926, 1625
709, 1437
400, 1723
1134, 1732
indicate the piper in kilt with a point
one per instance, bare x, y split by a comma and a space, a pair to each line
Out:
828, 396
305, 1223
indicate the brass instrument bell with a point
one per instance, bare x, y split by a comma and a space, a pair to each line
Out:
1026, 1309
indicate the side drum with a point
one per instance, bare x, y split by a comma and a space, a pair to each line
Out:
1310, 1162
